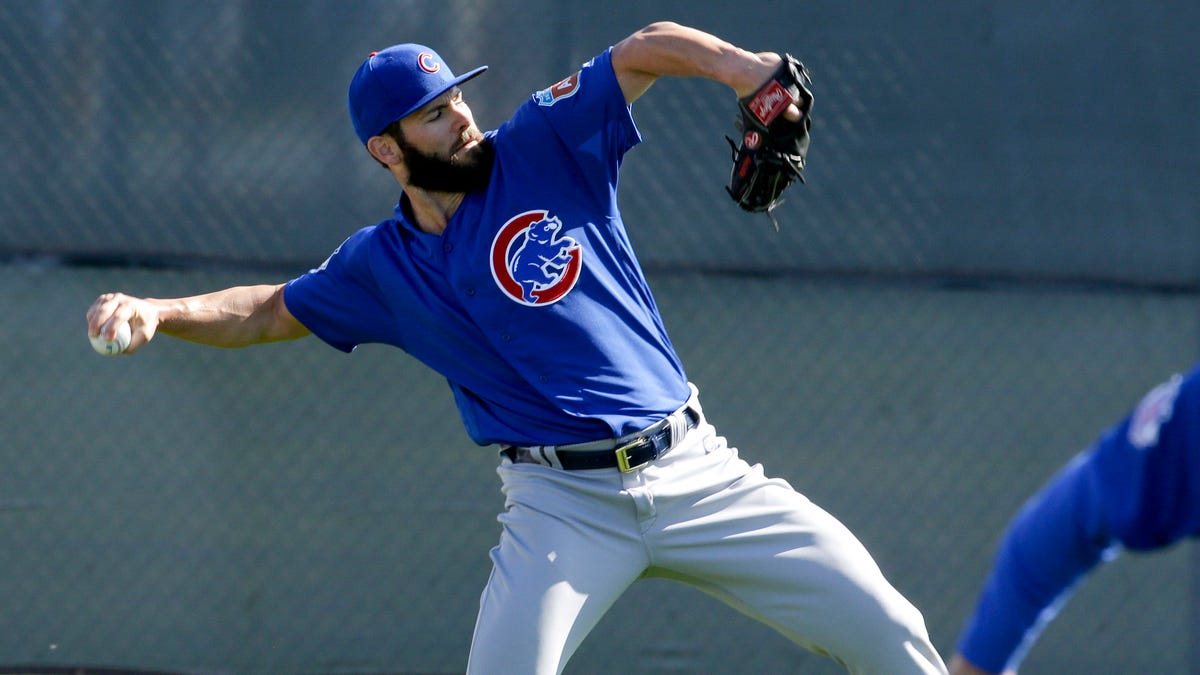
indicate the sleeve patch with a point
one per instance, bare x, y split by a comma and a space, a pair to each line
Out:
565, 88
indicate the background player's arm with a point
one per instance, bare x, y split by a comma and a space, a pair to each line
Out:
960, 666
667, 48
234, 317
1057, 537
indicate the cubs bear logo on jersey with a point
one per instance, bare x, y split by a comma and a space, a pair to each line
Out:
532, 261
565, 88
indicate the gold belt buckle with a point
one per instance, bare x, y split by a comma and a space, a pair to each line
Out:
623, 456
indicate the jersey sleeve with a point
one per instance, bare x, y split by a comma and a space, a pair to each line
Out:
1135, 488
584, 116
339, 301
1056, 538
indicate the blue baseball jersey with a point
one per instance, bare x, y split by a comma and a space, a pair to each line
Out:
531, 303
1137, 488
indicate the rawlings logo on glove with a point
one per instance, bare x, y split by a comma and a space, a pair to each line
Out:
771, 100
773, 149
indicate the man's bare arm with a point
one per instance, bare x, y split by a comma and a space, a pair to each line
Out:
234, 317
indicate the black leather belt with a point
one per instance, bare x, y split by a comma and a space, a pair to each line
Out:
630, 453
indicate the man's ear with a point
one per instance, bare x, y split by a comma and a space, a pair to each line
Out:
385, 150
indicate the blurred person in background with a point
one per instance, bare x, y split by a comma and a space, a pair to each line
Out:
1136, 488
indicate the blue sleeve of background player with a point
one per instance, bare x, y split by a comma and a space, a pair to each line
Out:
1135, 488
1055, 539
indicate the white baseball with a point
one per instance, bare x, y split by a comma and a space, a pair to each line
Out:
114, 346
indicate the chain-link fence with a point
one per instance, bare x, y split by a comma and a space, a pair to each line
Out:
995, 254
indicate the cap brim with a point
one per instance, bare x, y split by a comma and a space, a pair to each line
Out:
449, 85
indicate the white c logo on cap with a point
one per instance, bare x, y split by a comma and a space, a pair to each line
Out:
427, 63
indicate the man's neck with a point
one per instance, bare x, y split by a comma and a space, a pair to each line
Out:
431, 211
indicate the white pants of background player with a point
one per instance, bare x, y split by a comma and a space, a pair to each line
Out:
573, 541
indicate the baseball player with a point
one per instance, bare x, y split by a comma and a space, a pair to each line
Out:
1137, 487
507, 268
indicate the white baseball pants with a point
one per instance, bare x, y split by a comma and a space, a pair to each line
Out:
574, 541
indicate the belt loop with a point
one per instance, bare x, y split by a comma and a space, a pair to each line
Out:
547, 454
679, 425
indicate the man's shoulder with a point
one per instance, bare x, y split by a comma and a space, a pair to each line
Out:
595, 76
373, 235
360, 243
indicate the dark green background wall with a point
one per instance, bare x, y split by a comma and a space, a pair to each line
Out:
995, 255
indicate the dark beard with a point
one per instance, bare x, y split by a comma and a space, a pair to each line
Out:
471, 173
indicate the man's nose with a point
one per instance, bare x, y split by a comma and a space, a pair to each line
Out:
462, 116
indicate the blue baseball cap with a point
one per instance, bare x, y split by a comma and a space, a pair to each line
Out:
394, 83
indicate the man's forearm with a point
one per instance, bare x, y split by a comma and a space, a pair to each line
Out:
234, 317
669, 49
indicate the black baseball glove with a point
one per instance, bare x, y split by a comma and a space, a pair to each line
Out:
773, 149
